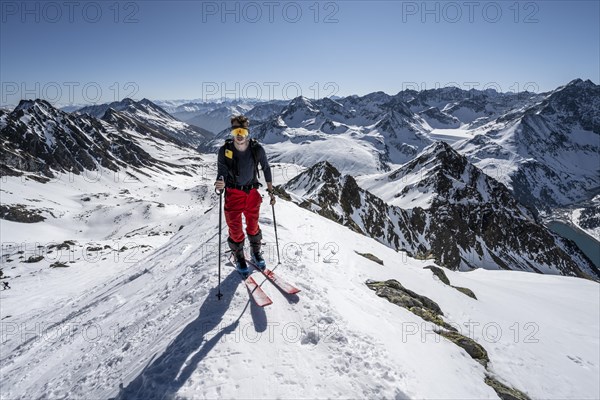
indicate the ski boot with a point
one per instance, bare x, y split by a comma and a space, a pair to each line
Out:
256, 255
259, 261
241, 266
237, 250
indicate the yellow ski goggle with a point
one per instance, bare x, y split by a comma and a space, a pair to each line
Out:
239, 132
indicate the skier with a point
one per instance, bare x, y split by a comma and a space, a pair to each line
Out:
238, 161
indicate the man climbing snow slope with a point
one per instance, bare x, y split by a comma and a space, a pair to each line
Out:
238, 174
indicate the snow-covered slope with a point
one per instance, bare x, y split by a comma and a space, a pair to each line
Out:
154, 329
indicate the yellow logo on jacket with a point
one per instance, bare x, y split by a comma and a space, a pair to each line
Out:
228, 153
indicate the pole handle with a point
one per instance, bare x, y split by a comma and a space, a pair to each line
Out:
220, 192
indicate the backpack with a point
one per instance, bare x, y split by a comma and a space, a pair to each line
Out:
232, 166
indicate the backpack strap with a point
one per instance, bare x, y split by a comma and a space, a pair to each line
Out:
232, 171
255, 148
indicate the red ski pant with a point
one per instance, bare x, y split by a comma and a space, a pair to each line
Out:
238, 202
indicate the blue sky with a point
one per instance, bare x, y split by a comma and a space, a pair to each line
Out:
103, 51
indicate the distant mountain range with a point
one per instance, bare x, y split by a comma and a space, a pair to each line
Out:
215, 117
464, 177
544, 147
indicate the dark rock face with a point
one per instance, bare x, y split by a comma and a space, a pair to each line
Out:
437, 118
473, 220
371, 257
590, 217
424, 307
441, 275
576, 103
503, 391
20, 213
474, 349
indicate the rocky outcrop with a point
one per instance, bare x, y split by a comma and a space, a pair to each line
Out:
430, 311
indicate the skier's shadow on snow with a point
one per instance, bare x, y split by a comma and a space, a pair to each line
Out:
165, 375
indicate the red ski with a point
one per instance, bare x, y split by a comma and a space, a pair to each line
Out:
276, 279
258, 295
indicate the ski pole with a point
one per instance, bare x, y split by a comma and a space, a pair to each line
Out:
220, 192
276, 241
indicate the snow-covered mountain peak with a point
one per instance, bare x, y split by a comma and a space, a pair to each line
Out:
41, 139
315, 179
323, 171
546, 151
127, 101
578, 102
144, 107
447, 159
581, 84
378, 97
449, 210
148, 105
438, 175
300, 112
147, 114
27, 104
